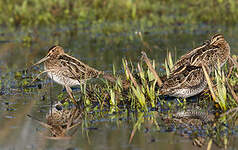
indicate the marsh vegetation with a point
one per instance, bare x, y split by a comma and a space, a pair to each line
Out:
109, 36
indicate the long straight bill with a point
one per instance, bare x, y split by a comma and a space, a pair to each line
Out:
42, 60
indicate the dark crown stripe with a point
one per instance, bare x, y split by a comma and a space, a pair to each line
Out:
53, 47
217, 35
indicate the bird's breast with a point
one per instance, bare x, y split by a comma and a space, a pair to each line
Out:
60, 79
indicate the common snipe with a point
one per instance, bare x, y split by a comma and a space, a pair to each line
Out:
217, 48
67, 70
187, 77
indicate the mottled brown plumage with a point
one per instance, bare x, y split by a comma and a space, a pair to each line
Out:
217, 48
187, 78
65, 69
189, 82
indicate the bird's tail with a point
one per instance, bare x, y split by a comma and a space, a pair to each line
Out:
109, 77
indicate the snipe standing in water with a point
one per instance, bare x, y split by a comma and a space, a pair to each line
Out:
187, 77
67, 70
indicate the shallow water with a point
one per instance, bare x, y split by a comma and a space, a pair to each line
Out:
22, 47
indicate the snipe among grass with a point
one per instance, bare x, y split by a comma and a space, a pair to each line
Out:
214, 50
187, 78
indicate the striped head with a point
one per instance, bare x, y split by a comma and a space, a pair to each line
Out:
53, 53
217, 40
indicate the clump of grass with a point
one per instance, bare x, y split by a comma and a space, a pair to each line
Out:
139, 87
221, 88
136, 91
219, 92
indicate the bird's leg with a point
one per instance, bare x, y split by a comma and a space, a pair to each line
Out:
34, 79
69, 91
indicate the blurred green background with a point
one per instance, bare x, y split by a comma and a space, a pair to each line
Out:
93, 12
104, 31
